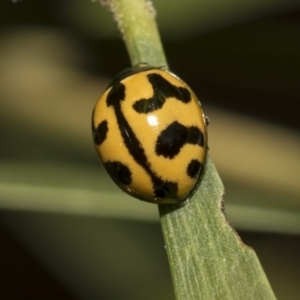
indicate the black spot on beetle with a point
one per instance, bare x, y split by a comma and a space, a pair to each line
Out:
195, 136
100, 133
175, 136
119, 172
171, 140
116, 94
162, 89
194, 168
165, 189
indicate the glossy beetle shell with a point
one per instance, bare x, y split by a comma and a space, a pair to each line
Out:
150, 134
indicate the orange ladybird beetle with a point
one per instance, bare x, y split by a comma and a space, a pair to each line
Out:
149, 131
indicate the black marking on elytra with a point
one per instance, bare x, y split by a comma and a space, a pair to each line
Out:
194, 168
195, 136
133, 145
165, 189
162, 89
100, 133
119, 172
116, 95
171, 140
175, 136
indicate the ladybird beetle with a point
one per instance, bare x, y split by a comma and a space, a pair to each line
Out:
150, 133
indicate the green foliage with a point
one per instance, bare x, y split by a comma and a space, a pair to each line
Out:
208, 260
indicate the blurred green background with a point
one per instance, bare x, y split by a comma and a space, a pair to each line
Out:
66, 231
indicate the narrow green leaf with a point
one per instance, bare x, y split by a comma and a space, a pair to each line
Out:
207, 258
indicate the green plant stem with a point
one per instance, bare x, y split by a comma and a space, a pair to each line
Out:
136, 22
207, 258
